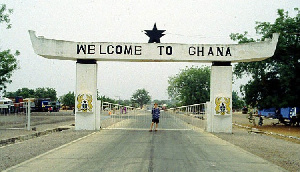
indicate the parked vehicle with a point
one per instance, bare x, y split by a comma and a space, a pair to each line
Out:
18, 104
245, 110
41, 105
287, 116
55, 106
6, 105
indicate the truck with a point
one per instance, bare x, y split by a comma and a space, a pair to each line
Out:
287, 115
55, 106
18, 104
41, 105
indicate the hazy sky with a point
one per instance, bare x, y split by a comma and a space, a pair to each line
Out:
188, 21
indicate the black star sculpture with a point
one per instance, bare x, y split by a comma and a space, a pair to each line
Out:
154, 34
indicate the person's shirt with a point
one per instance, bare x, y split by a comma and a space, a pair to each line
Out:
155, 113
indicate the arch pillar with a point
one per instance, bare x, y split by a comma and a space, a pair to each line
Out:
86, 104
219, 116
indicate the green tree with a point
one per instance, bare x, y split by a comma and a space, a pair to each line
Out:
37, 93
140, 97
4, 15
237, 102
275, 81
45, 93
125, 102
24, 92
106, 99
190, 86
10, 94
160, 102
68, 99
8, 62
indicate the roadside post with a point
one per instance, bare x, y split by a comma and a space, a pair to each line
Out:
28, 115
28, 100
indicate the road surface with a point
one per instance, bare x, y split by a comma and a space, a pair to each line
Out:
140, 150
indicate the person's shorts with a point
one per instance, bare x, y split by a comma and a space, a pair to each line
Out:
155, 121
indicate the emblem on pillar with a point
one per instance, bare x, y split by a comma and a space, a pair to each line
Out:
222, 105
84, 103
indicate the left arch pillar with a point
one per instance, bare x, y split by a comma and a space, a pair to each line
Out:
86, 117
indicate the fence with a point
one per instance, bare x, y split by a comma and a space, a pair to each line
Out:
141, 119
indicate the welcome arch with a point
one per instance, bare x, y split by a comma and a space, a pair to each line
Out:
86, 55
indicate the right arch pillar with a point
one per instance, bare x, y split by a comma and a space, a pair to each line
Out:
219, 108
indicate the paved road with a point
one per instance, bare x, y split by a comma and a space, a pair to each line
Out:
141, 151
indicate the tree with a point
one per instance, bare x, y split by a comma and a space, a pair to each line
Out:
141, 97
37, 93
8, 62
170, 103
45, 93
237, 102
160, 102
4, 15
275, 81
68, 99
190, 86
125, 102
24, 92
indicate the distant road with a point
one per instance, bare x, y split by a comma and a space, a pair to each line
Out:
142, 151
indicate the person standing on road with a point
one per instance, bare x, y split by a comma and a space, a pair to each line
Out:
155, 117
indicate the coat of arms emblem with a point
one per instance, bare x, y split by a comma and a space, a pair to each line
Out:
84, 103
222, 105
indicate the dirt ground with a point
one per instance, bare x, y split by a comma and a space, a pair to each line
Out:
14, 125
268, 125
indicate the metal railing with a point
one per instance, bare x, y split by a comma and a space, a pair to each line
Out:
183, 118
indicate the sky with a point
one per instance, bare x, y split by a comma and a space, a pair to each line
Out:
188, 21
